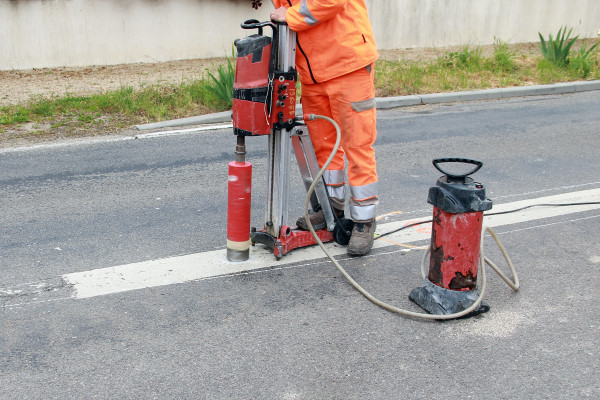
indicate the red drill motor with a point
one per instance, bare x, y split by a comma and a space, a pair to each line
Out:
256, 111
251, 116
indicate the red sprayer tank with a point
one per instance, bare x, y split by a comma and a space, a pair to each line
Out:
458, 205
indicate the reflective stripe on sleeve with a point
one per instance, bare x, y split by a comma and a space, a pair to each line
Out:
305, 12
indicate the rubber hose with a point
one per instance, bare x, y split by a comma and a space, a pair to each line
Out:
482, 259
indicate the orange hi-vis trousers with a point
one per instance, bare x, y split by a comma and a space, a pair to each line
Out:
350, 101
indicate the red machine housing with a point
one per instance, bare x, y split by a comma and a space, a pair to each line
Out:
251, 97
263, 98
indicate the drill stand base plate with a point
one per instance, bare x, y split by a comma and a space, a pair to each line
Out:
289, 239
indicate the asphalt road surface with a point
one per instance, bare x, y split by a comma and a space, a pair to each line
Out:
114, 285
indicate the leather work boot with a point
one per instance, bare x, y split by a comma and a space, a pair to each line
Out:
317, 219
362, 238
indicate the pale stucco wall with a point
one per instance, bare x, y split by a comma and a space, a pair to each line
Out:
438, 23
51, 33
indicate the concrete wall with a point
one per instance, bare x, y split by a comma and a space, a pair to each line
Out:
438, 23
52, 33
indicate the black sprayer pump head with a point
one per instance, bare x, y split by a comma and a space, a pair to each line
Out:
458, 193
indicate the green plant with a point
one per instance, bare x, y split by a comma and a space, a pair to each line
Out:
398, 77
504, 57
147, 103
583, 62
14, 115
222, 86
557, 50
466, 59
549, 72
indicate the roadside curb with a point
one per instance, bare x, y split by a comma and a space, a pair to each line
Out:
384, 103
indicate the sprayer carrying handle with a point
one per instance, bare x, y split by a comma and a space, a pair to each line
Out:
457, 177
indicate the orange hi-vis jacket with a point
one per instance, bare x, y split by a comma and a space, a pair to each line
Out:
334, 37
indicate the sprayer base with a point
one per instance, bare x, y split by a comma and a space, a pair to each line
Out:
437, 300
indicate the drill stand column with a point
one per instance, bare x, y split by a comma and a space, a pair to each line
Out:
288, 133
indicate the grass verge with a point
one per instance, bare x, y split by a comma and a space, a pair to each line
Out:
113, 111
469, 70
109, 111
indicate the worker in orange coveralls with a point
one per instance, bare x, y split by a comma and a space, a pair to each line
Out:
335, 53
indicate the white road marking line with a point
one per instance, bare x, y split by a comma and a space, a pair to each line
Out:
554, 189
28, 303
108, 139
177, 132
548, 224
69, 143
199, 266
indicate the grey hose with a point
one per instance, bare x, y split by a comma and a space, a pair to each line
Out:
482, 259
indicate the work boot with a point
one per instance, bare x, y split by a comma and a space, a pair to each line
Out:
362, 238
317, 219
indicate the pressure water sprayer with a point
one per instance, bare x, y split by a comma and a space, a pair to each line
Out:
458, 205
